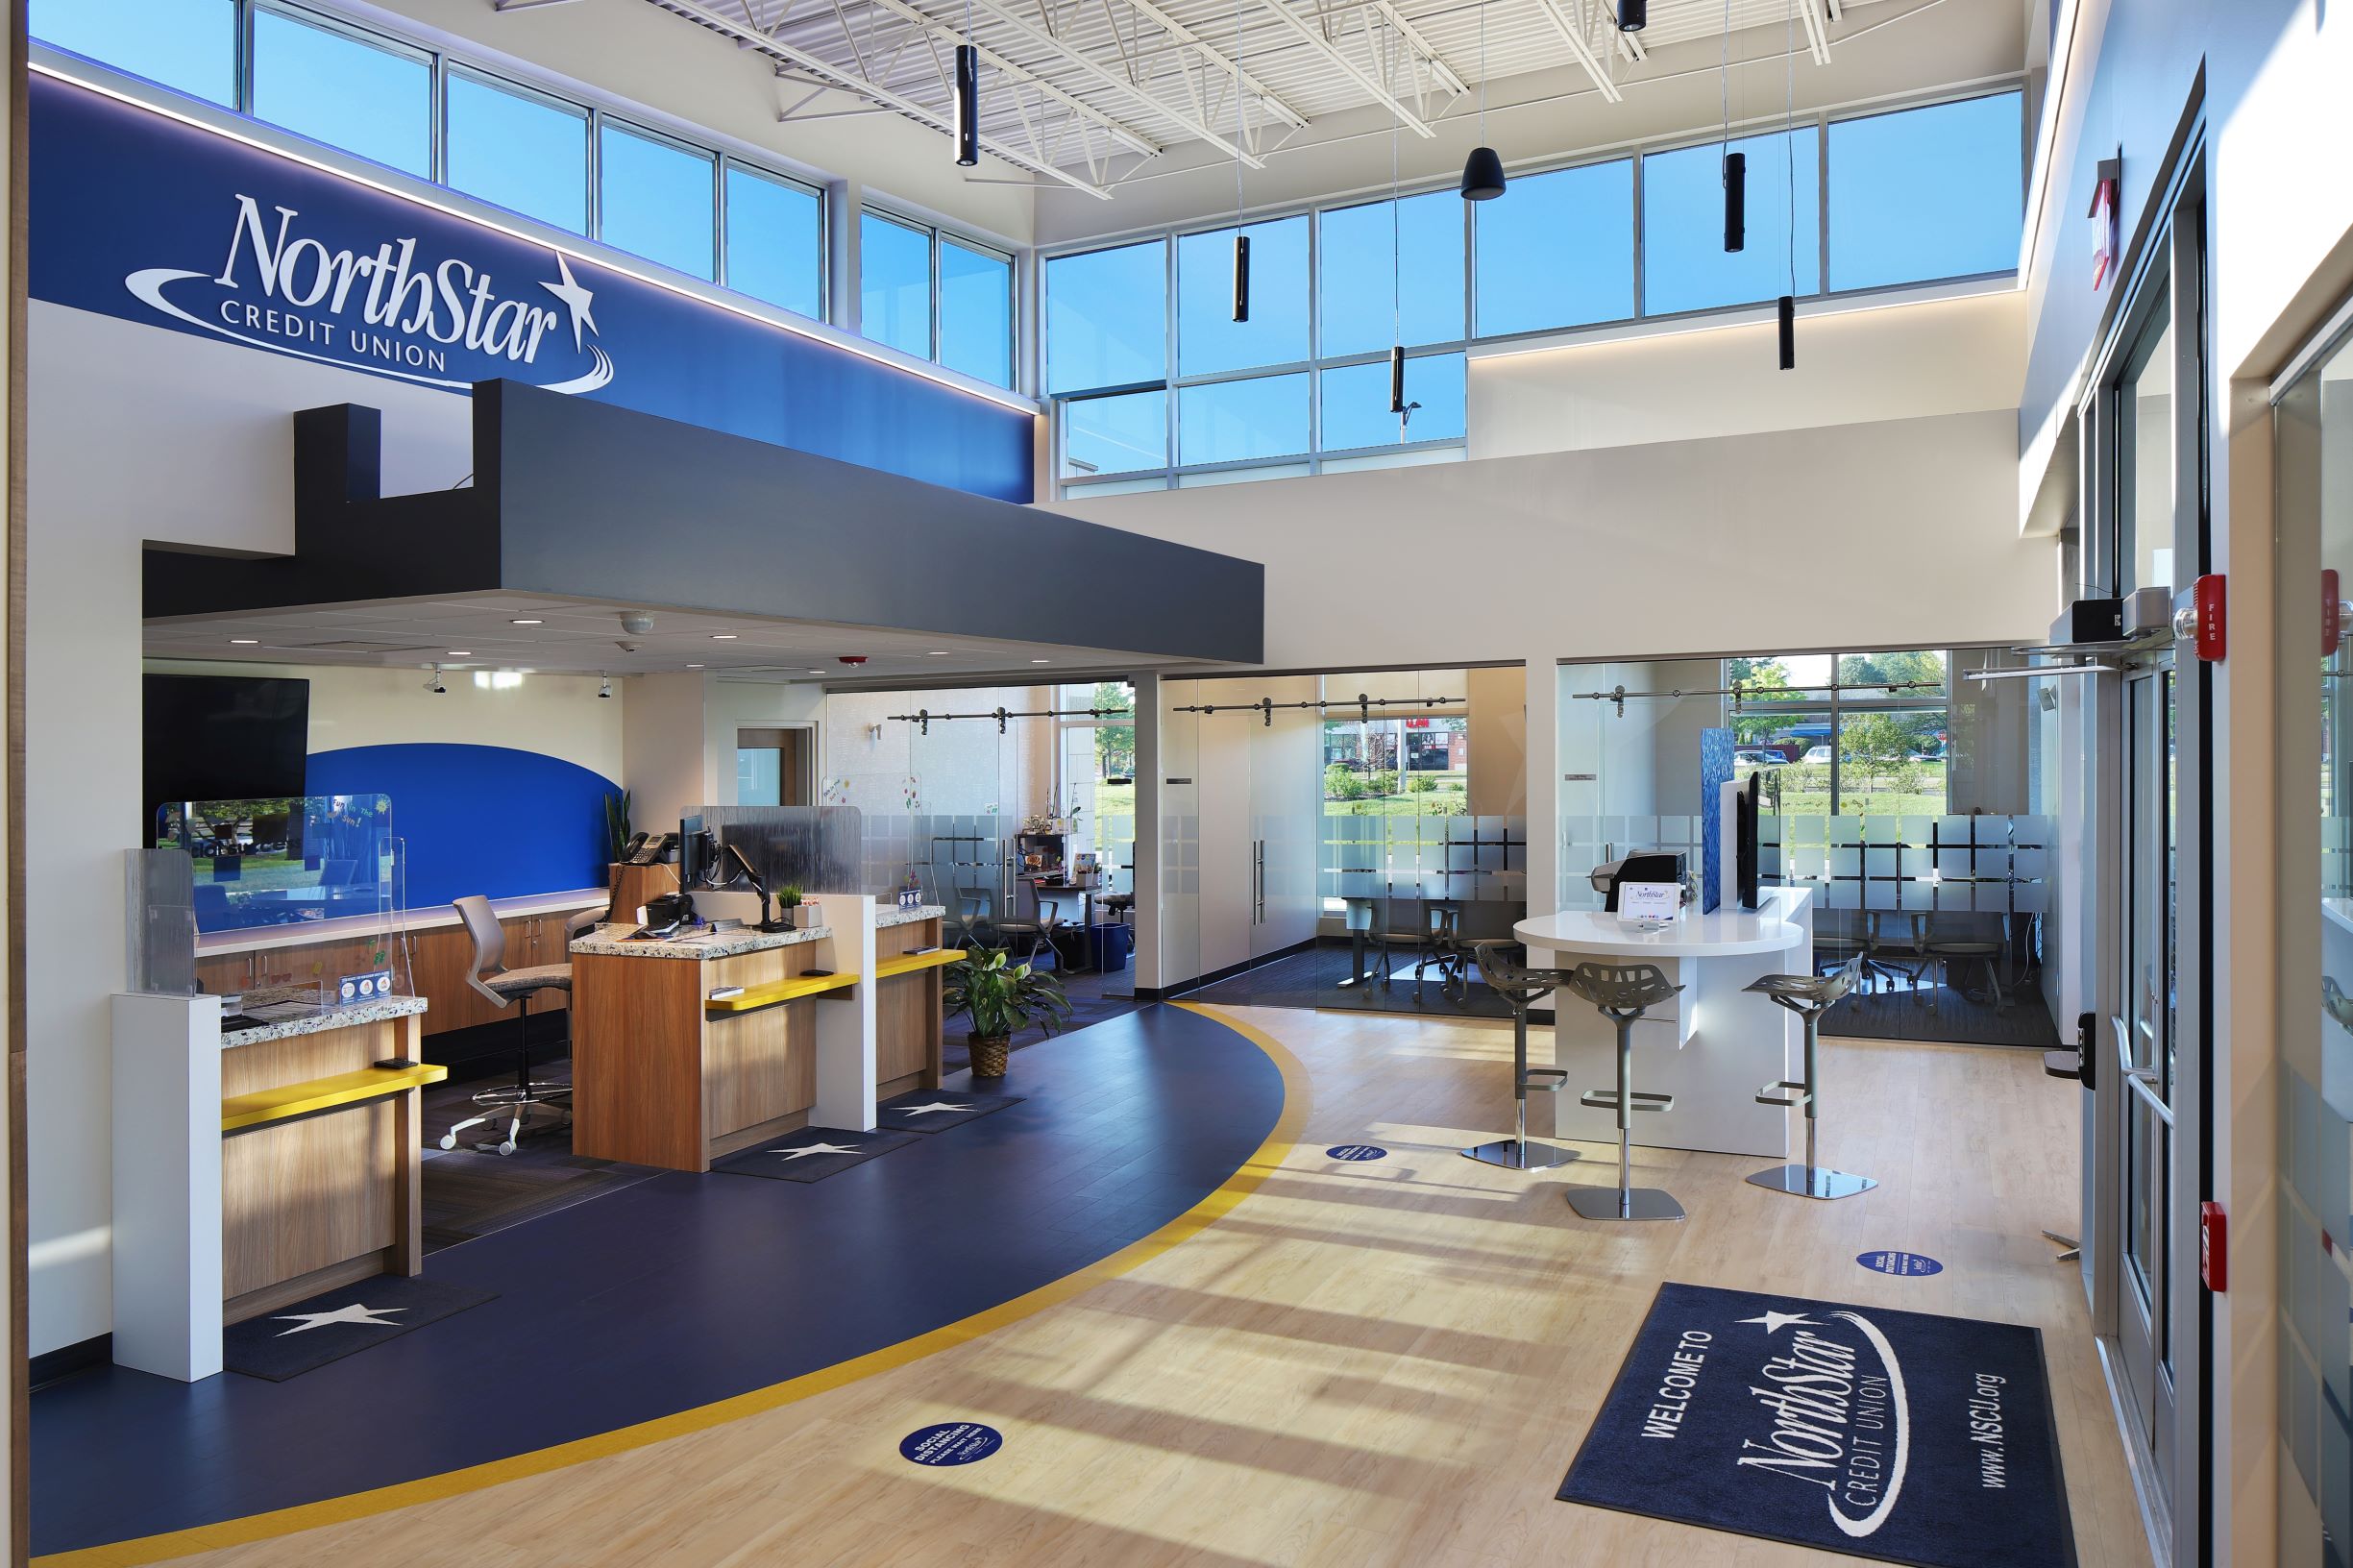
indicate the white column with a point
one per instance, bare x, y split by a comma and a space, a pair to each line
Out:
846, 1083
1147, 884
167, 1185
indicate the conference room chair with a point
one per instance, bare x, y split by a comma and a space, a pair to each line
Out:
503, 988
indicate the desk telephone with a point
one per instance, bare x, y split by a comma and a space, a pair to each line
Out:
650, 848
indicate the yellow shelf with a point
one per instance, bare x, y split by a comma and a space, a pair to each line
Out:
775, 991
239, 1111
911, 963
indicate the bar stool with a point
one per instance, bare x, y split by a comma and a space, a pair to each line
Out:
1624, 992
1810, 996
1520, 988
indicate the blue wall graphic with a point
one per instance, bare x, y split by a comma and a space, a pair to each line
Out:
479, 819
143, 218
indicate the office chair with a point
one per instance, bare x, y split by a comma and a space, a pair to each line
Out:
1034, 936
505, 987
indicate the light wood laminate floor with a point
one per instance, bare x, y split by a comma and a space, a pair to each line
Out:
1390, 1363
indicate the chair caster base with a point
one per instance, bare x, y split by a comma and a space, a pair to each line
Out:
1812, 1181
1638, 1202
1510, 1154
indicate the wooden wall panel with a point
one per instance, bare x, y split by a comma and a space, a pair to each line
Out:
759, 1065
637, 1061
907, 1024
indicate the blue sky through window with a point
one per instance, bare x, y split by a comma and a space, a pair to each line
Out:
1356, 403
1232, 421
1208, 339
1115, 435
1926, 194
658, 199
976, 312
525, 154
1685, 266
334, 88
1107, 317
190, 45
1558, 250
774, 234
1356, 257
894, 284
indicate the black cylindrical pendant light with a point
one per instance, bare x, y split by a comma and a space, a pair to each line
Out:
1634, 15
1789, 331
1736, 201
1242, 277
1397, 380
1483, 175
967, 104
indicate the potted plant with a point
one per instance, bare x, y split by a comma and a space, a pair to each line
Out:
794, 914
997, 998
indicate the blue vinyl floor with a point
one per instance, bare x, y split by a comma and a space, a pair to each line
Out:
683, 1289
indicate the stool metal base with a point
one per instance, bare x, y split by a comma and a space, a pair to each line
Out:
1515, 1154
1812, 1181
1610, 1203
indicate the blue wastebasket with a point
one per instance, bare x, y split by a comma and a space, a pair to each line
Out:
1108, 946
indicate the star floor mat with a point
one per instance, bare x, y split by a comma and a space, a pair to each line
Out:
934, 1110
810, 1155
341, 1322
1879, 1434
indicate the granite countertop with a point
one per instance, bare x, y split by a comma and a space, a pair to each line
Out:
284, 1020
887, 916
609, 942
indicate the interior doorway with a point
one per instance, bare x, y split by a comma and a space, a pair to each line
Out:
774, 767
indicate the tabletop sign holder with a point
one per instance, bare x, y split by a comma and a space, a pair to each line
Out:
1655, 903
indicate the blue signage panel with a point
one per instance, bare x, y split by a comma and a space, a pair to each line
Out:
1356, 1152
951, 1442
1908, 1263
149, 219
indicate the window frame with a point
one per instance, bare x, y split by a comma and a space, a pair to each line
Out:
939, 235
591, 214
1070, 487
432, 60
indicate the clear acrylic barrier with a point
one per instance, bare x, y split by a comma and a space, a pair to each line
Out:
285, 861
815, 848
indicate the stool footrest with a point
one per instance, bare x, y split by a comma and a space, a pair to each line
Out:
1606, 1099
1799, 1094
1543, 1080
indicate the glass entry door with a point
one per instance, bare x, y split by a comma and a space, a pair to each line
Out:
2144, 1033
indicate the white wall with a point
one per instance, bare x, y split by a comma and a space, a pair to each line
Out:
1896, 361
665, 758
730, 706
1898, 533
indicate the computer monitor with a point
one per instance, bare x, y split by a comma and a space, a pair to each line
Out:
1745, 806
694, 850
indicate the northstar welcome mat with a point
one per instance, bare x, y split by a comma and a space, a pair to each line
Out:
1897, 1435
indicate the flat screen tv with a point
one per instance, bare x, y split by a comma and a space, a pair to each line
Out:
1744, 853
221, 738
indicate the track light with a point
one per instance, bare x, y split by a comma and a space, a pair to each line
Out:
432, 682
607, 689
1242, 276
967, 104
1736, 201
1634, 15
1789, 331
1483, 175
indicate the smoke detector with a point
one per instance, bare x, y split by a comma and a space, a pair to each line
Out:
637, 622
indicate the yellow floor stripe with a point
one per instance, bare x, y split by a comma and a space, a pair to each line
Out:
1262, 1163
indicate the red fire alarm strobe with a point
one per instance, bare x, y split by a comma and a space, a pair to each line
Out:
2213, 1246
2332, 612
2200, 617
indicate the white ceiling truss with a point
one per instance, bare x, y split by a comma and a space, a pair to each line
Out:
1083, 93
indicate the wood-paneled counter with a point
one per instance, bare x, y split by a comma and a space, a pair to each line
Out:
908, 980
321, 1152
661, 1076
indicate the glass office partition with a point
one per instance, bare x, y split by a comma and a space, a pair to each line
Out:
285, 861
815, 848
2314, 473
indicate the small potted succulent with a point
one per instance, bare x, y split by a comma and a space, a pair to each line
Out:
999, 998
794, 913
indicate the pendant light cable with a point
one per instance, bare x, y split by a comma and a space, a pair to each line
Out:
1241, 135
1786, 307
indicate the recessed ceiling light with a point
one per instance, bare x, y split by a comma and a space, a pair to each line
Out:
723, 636
1042, 661
693, 667
938, 654
817, 672
526, 620
461, 653
243, 642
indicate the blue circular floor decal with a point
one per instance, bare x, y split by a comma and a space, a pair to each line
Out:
1355, 1151
1909, 1263
951, 1442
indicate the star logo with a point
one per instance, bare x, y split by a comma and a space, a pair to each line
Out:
808, 1149
356, 1312
936, 1105
1774, 1322
575, 300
